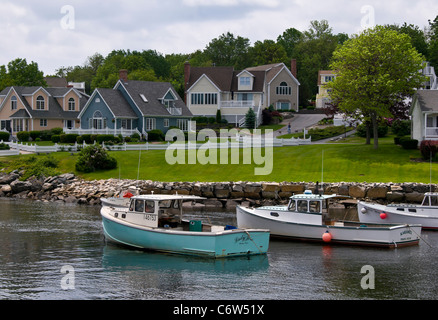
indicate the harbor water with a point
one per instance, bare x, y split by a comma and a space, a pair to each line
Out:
57, 251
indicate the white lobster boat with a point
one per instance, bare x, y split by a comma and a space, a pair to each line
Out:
305, 218
425, 214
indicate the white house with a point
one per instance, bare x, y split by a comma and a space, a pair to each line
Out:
424, 115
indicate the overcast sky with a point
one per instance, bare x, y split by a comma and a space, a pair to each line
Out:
55, 33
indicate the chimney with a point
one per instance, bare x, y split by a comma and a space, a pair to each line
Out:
293, 67
186, 79
123, 75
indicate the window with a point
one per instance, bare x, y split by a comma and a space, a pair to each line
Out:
71, 104
211, 98
283, 105
150, 124
98, 121
139, 205
182, 124
302, 205
166, 123
43, 122
150, 206
14, 103
292, 206
284, 89
329, 78
69, 124
40, 103
127, 124
315, 206
245, 81
197, 98
142, 96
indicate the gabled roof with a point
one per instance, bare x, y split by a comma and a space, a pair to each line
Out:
225, 78
154, 92
54, 111
427, 100
117, 103
222, 77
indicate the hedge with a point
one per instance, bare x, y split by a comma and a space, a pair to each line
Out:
4, 136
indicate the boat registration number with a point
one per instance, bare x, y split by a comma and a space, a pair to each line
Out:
151, 217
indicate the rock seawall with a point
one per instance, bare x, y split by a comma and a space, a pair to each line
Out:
71, 189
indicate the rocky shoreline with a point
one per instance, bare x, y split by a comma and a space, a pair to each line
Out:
68, 188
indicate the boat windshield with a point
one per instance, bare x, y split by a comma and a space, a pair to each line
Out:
139, 205
430, 200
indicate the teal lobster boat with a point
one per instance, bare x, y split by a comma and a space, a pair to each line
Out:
155, 222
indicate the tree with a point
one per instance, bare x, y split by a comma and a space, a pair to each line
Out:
20, 73
433, 42
375, 71
228, 50
250, 119
94, 157
289, 39
314, 53
267, 52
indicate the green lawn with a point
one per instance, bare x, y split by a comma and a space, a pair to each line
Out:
350, 162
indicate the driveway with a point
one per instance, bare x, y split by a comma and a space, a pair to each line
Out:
299, 122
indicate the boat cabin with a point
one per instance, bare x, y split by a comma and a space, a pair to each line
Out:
309, 203
430, 199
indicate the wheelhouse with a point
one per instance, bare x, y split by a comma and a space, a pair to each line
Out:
430, 199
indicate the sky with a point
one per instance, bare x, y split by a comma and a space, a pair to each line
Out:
56, 33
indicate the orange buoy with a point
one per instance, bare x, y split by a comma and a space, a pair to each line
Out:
383, 216
326, 237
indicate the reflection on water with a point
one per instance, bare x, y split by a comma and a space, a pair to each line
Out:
38, 239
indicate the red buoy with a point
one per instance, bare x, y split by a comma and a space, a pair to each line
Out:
383, 216
326, 237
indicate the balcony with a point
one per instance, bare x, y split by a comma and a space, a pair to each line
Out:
174, 111
237, 104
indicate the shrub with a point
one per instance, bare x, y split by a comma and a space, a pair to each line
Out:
4, 136
68, 138
94, 158
56, 130
56, 138
135, 136
23, 136
4, 146
155, 135
428, 148
34, 135
104, 138
46, 135
401, 127
382, 131
408, 143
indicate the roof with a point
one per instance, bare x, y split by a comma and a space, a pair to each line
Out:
56, 82
154, 92
117, 103
55, 110
427, 100
225, 78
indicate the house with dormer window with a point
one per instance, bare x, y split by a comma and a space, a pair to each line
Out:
40, 108
134, 107
209, 89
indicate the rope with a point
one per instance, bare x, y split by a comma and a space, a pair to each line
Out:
253, 241
419, 236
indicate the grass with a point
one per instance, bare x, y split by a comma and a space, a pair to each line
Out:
351, 162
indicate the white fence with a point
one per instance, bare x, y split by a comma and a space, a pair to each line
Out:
241, 142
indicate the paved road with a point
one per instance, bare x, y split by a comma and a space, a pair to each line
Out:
299, 122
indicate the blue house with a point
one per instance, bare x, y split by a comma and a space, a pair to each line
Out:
134, 107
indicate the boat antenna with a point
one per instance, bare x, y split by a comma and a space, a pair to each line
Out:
430, 171
322, 172
138, 169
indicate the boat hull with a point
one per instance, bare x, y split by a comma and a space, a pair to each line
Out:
370, 213
341, 233
226, 243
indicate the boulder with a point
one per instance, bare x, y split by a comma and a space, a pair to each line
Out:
357, 191
18, 186
377, 192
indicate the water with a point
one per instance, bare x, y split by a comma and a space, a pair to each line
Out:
38, 239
